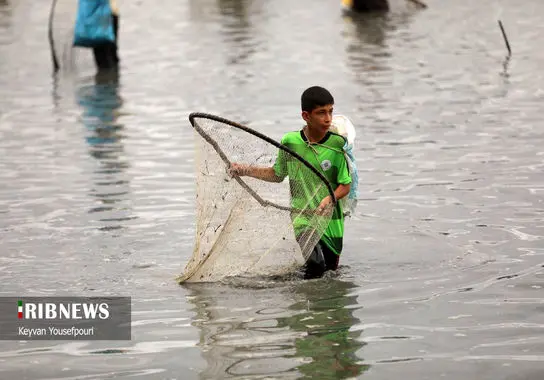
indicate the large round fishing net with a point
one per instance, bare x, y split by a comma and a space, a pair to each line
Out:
247, 226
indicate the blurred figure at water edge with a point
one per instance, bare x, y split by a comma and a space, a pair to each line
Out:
97, 27
365, 5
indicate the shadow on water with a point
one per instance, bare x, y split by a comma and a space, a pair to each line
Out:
6, 12
101, 103
237, 30
325, 313
240, 37
366, 37
295, 329
237, 26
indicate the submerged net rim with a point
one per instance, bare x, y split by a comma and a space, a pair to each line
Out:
210, 140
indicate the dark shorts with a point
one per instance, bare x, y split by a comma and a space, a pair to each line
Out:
320, 260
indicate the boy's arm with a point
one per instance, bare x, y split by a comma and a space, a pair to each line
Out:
263, 173
340, 192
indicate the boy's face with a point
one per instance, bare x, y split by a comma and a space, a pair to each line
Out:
319, 119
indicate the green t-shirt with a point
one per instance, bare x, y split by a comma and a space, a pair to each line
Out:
327, 156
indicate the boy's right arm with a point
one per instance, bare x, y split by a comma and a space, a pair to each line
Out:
263, 173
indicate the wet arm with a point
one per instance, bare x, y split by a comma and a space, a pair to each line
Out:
342, 190
263, 173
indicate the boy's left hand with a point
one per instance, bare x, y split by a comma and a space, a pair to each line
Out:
325, 204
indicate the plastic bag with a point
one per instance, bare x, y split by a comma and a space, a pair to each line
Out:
94, 23
343, 126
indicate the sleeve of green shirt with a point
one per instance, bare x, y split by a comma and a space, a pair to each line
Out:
344, 177
280, 166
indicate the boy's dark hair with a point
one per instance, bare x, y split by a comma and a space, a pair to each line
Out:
314, 97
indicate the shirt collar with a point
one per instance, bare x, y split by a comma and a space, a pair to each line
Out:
322, 141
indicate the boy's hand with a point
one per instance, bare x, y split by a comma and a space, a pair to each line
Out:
325, 205
238, 169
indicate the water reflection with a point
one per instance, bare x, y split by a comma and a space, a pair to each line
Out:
5, 12
325, 313
5, 21
299, 330
237, 30
366, 37
102, 104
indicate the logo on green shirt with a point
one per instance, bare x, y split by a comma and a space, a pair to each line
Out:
326, 165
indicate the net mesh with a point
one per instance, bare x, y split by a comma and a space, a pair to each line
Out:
247, 226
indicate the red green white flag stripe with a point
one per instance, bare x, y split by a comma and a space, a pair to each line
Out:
20, 309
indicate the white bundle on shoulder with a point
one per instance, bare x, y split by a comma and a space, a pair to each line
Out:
343, 126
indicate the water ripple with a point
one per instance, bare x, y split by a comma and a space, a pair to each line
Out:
442, 263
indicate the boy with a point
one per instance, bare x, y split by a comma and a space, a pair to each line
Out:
324, 150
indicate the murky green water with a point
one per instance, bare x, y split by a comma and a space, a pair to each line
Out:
442, 271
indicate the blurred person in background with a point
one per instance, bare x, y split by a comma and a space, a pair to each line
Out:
105, 54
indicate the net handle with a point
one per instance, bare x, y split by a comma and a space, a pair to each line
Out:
50, 36
220, 119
